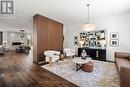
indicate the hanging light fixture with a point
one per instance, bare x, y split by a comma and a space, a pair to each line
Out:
88, 26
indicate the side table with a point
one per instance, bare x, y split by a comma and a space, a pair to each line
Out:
62, 57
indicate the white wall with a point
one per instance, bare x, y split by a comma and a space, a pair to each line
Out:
119, 23
14, 37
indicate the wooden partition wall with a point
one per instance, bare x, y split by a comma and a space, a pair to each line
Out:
48, 35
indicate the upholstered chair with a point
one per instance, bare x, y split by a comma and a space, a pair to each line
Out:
51, 56
69, 52
2, 49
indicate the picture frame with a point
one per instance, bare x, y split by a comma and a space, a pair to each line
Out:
114, 43
76, 40
81, 34
84, 34
114, 35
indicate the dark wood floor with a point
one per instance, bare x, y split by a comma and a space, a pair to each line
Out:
20, 71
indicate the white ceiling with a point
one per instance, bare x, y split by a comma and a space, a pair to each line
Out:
66, 11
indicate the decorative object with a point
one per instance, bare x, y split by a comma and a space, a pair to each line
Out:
114, 35
22, 34
104, 74
81, 42
103, 43
76, 40
114, 43
83, 54
93, 38
88, 26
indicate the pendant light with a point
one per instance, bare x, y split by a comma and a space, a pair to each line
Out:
88, 26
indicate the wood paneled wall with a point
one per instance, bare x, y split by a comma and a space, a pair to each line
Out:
48, 35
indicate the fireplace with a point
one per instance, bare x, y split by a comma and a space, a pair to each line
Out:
16, 43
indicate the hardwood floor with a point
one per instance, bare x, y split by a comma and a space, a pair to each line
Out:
20, 71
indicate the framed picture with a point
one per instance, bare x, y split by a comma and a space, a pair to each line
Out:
114, 43
81, 35
76, 40
114, 35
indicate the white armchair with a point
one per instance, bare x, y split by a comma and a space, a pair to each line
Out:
51, 56
2, 49
69, 52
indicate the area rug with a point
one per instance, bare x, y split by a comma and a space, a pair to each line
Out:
104, 74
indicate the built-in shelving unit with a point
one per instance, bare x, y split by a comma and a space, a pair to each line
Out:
94, 38
94, 44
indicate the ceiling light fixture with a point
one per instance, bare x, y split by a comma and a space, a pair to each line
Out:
88, 26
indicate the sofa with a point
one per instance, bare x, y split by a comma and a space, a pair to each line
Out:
23, 49
122, 61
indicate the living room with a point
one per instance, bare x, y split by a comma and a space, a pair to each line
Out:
71, 43
11, 40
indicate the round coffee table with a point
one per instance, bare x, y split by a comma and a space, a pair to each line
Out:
79, 61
